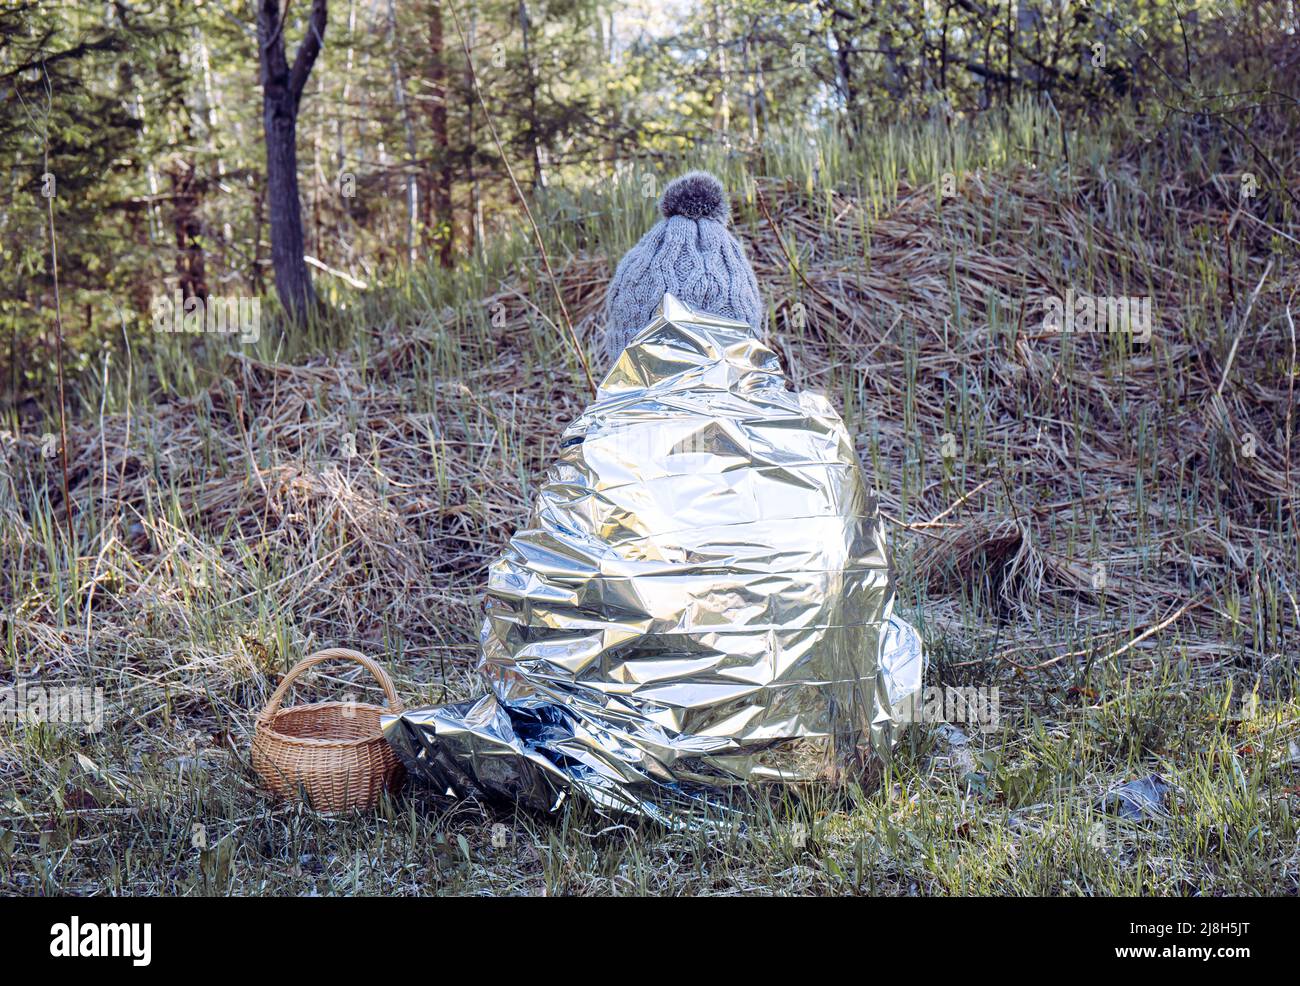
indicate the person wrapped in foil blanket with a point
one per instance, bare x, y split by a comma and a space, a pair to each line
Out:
701, 597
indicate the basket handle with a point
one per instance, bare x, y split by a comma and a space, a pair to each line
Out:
329, 654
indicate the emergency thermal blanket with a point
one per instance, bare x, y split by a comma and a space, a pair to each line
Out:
701, 597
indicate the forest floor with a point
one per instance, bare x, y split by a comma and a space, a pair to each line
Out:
1100, 525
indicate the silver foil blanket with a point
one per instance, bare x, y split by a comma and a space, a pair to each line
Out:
701, 597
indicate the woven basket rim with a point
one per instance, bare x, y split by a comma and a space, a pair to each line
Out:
266, 725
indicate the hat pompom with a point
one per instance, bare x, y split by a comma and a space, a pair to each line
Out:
695, 195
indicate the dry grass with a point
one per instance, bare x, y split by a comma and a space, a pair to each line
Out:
1081, 520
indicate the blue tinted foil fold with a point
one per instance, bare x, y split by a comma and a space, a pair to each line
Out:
701, 597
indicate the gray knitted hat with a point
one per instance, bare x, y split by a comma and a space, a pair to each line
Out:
690, 253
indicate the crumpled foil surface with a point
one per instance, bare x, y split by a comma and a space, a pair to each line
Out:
700, 599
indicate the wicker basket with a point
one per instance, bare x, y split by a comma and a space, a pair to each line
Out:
333, 753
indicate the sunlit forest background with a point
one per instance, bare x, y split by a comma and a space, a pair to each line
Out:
132, 131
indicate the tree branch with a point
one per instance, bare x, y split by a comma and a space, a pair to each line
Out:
308, 49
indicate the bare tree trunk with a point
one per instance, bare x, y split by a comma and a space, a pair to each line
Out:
534, 145
987, 97
1006, 88
760, 86
749, 86
723, 120
186, 200
441, 217
282, 88
212, 121
471, 143
412, 184
340, 153
943, 51
841, 26
255, 265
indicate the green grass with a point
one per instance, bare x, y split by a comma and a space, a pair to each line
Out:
221, 534
1017, 815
